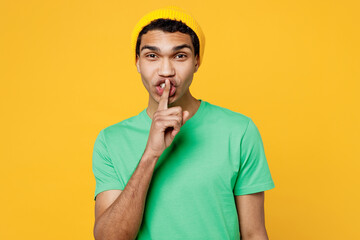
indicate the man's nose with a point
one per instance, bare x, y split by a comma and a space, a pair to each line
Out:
166, 68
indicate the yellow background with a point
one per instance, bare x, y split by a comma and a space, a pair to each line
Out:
67, 71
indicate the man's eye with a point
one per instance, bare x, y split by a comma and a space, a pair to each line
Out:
181, 55
150, 55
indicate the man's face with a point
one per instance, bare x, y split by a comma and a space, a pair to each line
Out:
165, 55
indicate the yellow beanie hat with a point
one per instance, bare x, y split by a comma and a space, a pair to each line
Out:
174, 13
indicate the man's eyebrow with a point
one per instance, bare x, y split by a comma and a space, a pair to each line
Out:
152, 48
181, 47
156, 49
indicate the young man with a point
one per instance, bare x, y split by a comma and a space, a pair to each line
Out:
182, 168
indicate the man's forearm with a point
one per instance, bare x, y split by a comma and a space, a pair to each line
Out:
260, 237
256, 236
123, 218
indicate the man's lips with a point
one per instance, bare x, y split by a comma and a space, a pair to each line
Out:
160, 81
160, 90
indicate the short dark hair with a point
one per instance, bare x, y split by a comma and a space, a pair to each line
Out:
169, 25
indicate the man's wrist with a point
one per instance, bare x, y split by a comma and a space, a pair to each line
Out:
149, 156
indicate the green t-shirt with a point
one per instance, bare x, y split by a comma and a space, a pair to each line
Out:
217, 154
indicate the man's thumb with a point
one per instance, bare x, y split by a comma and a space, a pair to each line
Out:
186, 115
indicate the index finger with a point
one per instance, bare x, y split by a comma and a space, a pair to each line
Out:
163, 103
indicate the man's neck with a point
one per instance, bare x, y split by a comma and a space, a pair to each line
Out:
187, 102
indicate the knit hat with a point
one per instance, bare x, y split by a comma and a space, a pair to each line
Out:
174, 13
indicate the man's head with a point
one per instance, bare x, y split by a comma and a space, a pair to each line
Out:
187, 24
170, 26
168, 49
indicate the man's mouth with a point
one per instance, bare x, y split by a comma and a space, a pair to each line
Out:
160, 89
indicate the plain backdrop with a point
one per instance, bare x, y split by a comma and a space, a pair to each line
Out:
67, 71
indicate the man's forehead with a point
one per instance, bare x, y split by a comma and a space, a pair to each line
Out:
156, 40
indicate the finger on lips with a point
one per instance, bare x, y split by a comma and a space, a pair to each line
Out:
163, 103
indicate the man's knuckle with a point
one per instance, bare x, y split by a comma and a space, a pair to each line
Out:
179, 120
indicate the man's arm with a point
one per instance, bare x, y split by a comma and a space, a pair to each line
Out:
250, 210
122, 219
118, 215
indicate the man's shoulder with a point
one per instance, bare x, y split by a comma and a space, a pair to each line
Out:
132, 122
226, 116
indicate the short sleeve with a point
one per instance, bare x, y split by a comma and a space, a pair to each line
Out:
103, 168
254, 173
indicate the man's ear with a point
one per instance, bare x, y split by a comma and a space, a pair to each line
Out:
197, 58
137, 63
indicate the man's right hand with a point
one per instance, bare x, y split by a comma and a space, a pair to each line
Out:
166, 123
